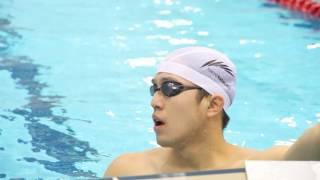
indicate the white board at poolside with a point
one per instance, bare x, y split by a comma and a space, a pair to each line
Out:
283, 170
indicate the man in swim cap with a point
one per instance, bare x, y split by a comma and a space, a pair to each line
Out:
192, 91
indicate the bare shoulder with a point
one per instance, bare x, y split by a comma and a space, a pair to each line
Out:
121, 165
130, 164
307, 147
274, 153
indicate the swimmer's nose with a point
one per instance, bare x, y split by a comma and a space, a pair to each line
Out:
157, 101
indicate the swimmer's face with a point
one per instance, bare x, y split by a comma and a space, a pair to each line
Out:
177, 118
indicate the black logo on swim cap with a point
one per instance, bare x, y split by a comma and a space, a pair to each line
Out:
218, 64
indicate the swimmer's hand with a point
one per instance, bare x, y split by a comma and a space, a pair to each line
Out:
307, 147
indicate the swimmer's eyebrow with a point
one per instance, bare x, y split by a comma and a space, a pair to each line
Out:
169, 79
164, 79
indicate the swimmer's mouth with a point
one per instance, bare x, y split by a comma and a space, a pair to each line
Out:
157, 121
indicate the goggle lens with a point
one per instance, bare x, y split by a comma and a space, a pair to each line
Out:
170, 88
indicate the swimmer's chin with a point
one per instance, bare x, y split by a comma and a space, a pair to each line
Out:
165, 144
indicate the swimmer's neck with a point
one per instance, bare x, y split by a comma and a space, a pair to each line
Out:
200, 159
206, 152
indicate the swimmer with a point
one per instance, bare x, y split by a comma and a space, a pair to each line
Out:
192, 91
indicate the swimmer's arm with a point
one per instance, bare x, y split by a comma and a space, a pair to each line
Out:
307, 147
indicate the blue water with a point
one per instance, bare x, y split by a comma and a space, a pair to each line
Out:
74, 76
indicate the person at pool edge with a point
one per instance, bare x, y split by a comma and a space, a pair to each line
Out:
191, 92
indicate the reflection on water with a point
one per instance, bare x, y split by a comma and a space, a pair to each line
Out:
66, 149
5, 32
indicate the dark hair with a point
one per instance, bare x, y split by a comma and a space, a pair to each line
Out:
225, 118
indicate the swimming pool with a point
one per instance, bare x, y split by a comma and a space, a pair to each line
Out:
74, 76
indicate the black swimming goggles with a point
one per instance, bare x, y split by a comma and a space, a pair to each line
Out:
170, 88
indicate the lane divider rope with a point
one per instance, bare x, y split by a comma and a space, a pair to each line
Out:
308, 7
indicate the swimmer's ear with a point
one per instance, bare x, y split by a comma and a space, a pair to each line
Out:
215, 105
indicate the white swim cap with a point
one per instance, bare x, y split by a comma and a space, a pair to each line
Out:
206, 68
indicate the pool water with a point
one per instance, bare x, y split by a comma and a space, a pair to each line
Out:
75, 75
